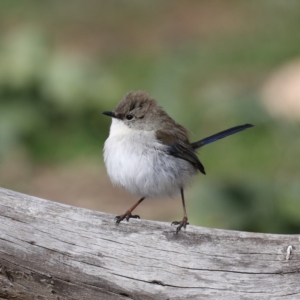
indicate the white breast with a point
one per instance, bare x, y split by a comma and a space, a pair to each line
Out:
135, 160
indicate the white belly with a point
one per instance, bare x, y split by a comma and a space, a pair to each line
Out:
135, 160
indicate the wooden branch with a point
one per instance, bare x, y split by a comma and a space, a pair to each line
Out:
54, 251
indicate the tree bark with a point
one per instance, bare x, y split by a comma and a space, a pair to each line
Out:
50, 250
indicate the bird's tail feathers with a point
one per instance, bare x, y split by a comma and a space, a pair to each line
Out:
220, 135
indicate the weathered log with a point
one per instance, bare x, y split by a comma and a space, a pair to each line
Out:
53, 251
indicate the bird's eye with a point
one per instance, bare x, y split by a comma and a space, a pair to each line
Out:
129, 117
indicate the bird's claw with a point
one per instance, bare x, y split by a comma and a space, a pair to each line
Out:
181, 224
126, 216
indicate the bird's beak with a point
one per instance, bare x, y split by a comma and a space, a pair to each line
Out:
110, 114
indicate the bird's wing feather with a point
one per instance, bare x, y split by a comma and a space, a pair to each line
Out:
179, 147
187, 154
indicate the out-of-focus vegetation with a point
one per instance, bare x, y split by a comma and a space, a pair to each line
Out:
62, 64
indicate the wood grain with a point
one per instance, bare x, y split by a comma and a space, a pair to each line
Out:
53, 251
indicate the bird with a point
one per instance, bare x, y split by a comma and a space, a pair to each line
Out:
149, 154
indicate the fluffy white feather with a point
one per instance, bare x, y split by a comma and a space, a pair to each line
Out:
136, 160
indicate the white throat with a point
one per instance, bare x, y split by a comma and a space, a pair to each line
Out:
118, 127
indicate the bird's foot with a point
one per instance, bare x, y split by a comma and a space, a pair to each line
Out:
126, 216
181, 224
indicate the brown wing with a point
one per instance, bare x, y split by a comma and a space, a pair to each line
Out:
179, 146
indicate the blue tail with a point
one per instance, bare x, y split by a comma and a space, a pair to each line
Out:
220, 135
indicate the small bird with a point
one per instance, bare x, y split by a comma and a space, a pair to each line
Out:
149, 154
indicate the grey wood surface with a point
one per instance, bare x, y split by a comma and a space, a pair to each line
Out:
53, 251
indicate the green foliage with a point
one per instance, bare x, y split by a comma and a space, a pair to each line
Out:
50, 102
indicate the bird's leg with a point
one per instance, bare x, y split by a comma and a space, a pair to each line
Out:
184, 221
128, 214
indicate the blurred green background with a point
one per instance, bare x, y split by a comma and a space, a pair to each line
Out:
211, 64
